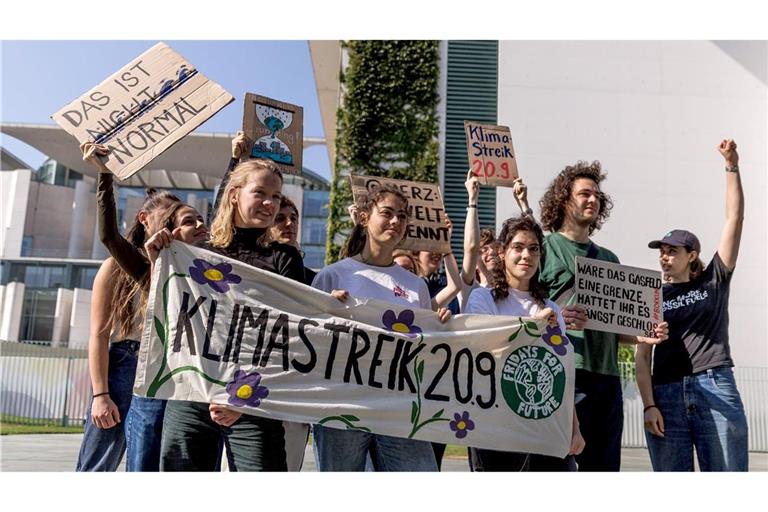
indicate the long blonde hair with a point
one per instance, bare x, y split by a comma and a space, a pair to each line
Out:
223, 225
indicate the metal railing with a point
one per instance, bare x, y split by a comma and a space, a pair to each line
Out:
753, 388
44, 385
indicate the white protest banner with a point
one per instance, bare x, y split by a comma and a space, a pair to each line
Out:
143, 109
490, 153
277, 131
220, 331
426, 223
619, 298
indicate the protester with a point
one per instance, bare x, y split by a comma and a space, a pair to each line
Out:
691, 399
117, 305
406, 260
517, 292
442, 288
368, 271
286, 231
248, 201
572, 209
481, 251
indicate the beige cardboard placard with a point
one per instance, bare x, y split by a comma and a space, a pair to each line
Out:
143, 109
490, 153
619, 298
277, 131
426, 225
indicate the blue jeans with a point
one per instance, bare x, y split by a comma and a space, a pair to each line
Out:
703, 410
346, 450
143, 431
103, 449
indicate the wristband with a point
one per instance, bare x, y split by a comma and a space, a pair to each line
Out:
528, 211
649, 407
100, 394
735, 168
471, 206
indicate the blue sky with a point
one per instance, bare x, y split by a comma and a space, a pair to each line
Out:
40, 77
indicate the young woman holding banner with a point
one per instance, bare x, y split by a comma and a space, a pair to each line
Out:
192, 432
368, 270
516, 292
691, 399
115, 418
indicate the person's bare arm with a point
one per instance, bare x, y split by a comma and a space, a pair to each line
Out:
730, 237
471, 230
104, 412
653, 420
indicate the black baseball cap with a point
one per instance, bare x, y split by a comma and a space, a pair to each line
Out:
678, 238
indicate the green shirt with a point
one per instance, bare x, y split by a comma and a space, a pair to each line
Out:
595, 351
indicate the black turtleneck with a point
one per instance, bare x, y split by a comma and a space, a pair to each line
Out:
275, 257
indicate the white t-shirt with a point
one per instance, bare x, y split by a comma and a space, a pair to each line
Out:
516, 304
466, 291
391, 284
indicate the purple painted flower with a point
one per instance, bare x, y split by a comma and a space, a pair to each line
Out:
217, 276
402, 323
245, 389
555, 338
461, 424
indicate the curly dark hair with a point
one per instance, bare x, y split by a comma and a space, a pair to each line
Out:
553, 202
499, 279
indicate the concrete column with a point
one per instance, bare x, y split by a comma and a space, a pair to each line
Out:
14, 197
10, 319
62, 316
98, 251
80, 318
83, 218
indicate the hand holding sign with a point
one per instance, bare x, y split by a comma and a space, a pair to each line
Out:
143, 109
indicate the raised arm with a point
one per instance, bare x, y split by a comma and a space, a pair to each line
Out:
471, 230
240, 147
730, 238
125, 253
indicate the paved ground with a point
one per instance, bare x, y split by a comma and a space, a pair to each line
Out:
58, 452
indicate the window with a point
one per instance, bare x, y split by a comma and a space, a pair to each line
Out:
313, 231
316, 203
83, 277
314, 256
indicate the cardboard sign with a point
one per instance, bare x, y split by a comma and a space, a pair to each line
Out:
220, 331
277, 129
619, 298
143, 109
490, 153
426, 214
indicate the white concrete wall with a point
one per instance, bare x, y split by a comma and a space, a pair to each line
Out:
652, 113
49, 220
62, 317
80, 318
14, 196
10, 315
83, 209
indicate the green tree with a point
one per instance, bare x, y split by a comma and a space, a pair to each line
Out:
387, 123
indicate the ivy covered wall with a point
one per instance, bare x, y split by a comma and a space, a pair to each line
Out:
387, 122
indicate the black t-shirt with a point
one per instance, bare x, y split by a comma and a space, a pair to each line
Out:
697, 312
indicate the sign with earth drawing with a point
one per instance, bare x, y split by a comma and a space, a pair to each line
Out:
277, 131
219, 331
